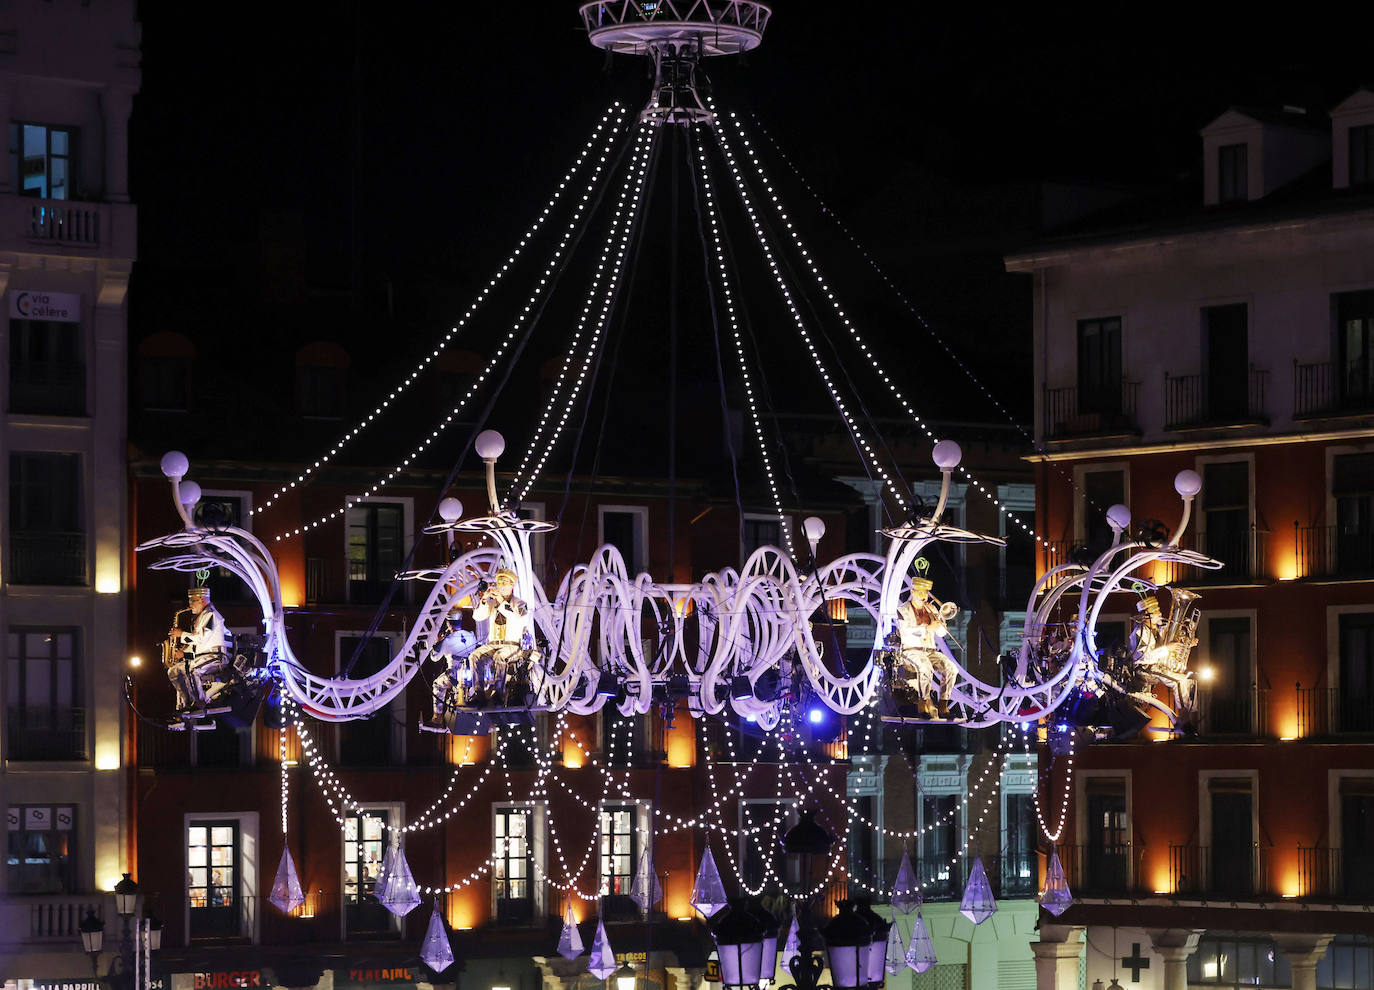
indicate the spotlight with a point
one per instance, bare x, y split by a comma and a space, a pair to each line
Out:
815, 716
607, 685
769, 685
740, 688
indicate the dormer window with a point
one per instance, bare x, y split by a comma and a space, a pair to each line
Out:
1362, 155
1232, 184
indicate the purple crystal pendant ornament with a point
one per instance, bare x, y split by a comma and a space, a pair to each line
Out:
1056, 898
570, 939
402, 894
708, 893
978, 904
895, 951
602, 963
384, 874
286, 888
436, 951
792, 948
906, 892
920, 954
646, 891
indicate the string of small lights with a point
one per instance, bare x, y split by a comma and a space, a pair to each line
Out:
1068, 783
623, 222
612, 118
520, 323
853, 330
727, 293
871, 457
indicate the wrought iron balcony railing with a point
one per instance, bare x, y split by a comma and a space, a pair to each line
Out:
51, 558
1331, 552
1237, 870
1244, 555
1325, 711
1098, 870
1336, 874
45, 734
1190, 404
1069, 413
1329, 389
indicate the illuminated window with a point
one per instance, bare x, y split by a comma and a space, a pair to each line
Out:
365, 841
619, 859
41, 849
42, 160
212, 873
512, 866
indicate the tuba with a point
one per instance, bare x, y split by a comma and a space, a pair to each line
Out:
1180, 633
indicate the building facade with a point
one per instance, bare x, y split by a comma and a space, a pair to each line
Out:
1230, 339
68, 76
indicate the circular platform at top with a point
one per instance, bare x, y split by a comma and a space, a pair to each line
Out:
632, 27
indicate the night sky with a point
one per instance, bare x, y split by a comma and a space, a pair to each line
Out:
368, 144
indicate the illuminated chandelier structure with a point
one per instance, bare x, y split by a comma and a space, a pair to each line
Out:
733, 643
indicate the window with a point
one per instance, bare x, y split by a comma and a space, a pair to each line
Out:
625, 527
939, 845
1019, 867
1232, 835
376, 740
43, 160
213, 882
1347, 965
1239, 962
47, 538
762, 823
1107, 850
47, 368
761, 531
1226, 516
164, 372
620, 851
1361, 154
321, 392
1352, 487
376, 548
1100, 490
512, 864
1355, 697
1226, 676
1355, 347
1228, 361
1232, 174
535, 511
1357, 838
219, 510
41, 849
1099, 366
365, 842
45, 719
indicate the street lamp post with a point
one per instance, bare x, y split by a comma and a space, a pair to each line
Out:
133, 972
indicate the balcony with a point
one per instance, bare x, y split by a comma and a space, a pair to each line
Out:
1070, 416
1327, 552
44, 390
1239, 713
1243, 555
42, 734
1232, 871
1329, 711
1336, 874
1321, 390
48, 558
1190, 405
47, 918
1010, 876
1100, 870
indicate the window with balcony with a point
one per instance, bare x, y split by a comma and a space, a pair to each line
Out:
1362, 154
41, 849
376, 740
626, 527
1357, 838
620, 850
214, 852
1233, 184
47, 530
45, 718
1100, 489
1019, 865
1226, 531
1347, 965
1355, 673
1099, 366
939, 845
322, 380
1232, 836
763, 531
1355, 348
1226, 679
1106, 847
376, 548
1227, 357
47, 368
365, 841
43, 160
513, 879
1352, 488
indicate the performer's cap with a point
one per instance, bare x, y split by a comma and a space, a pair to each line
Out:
198, 594
1149, 605
921, 586
505, 574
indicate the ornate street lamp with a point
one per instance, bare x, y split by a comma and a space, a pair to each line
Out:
847, 938
876, 956
126, 897
739, 941
771, 930
625, 977
92, 931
